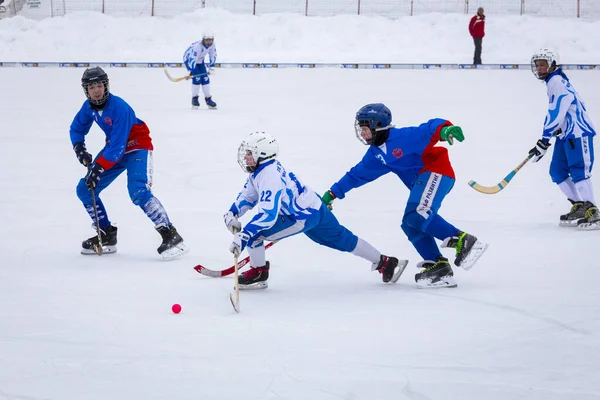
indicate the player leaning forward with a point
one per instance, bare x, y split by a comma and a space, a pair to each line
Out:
286, 207
128, 148
573, 156
411, 153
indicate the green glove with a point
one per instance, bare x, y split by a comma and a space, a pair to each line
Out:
328, 198
449, 133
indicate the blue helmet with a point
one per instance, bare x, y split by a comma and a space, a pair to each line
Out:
377, 117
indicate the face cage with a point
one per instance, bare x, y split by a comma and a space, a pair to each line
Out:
539, 57
241, 156
103, 99
358, 130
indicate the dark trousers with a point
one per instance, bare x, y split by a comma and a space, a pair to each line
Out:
477, 56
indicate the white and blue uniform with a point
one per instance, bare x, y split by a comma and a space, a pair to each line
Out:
573, 155
193, 58
286, 207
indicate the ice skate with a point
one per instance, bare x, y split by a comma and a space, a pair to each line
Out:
109, 242
591, 219
172, 245
468, 249
436, 274
195, 103
210, 103
390, 268
255, 278
572, 218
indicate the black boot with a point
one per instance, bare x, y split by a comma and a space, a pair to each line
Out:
387, 268
572, 217
435, 274
109, 241
172, 245
591, 217
468, 249
255, 278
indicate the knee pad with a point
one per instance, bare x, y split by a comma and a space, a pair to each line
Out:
83, 192
140, 196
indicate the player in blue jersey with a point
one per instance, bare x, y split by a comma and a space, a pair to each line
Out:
425, 169
193, 58
128, 148
287, 207
573, 157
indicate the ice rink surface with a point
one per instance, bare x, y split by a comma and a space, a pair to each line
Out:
522, 324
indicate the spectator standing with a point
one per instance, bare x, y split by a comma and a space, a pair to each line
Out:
477, 30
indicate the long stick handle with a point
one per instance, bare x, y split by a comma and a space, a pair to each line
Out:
98, 248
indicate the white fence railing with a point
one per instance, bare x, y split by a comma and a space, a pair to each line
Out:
588, 9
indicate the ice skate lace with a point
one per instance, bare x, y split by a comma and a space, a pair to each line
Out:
459, 243
591, 212
576, 206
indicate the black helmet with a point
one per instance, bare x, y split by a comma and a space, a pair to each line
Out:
95, 75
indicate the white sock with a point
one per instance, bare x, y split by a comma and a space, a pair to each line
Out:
585, 190
568, 188
195, 90
365, 250
257, 256
206, 90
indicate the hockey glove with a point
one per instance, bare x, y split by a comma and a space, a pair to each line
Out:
328, 198
539, 150
83, 156
93, 176
232, 223
240, 240
449, 133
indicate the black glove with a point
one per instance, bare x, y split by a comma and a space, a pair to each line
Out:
83, 156
93, 176
539, 150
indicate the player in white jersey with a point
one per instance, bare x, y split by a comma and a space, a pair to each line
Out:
193, 58
573, 157
287, 207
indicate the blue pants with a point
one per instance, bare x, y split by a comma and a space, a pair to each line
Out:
139, 166
322, 228
572, 157
200, 74
421, 221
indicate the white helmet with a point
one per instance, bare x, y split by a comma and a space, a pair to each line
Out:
550, 56
208, 35
261, 146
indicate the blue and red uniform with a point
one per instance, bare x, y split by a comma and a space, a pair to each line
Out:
411, 153
128, 147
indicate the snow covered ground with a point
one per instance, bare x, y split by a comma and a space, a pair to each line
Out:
522, 324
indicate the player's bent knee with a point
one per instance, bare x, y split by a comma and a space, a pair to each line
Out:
140, 197
83, 192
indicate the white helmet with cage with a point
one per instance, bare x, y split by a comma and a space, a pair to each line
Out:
550, 56
256, 148
208, 35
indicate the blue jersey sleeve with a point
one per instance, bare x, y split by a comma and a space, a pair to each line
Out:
367, 170
81, 124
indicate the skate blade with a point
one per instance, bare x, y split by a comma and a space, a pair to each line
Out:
568, 224
105, 250
398, 271
588, 226
195, 107
175, 251
443, 282
255, 286
212, 108
476, 252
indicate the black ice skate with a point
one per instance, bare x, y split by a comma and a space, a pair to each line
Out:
436, 274
468, 249
195, 103
172, 245
390, 268
109, 242
210, 103
572, 217
255, 278
591, 219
